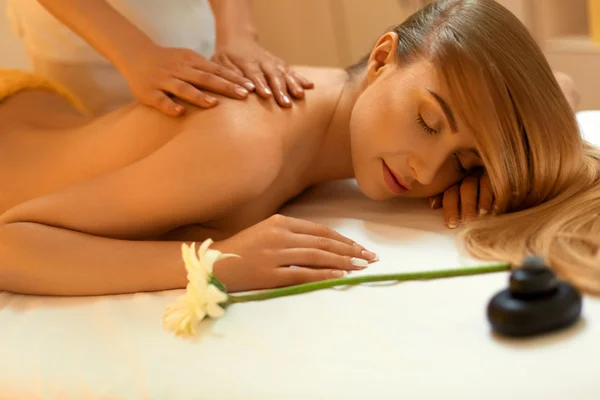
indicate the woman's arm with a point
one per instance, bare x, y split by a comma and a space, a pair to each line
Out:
233, 20
237, 48
45, 260
100, 25
152, 72
78, 240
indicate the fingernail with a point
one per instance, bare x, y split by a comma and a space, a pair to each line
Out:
240, 91
210, 100
338, 273
482, 212
250, 86
368, 255
453, 223
286, 99
268, 91
432, 202
178, 108
359, 262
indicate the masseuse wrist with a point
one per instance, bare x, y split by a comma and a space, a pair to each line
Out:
236, 35
128, 56
233, 21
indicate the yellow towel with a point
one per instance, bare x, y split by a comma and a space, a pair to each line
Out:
13, 81
594, 15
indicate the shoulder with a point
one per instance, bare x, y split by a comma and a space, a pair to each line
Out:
242, 142
321, 76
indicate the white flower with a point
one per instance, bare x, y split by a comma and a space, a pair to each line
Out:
202, 298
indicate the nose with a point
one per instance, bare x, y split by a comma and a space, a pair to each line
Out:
425, 169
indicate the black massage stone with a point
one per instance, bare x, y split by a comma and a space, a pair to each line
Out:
536, 302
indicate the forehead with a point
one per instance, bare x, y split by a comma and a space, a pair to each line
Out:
421, 73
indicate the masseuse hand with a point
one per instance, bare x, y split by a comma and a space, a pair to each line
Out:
162, 72
268, 248
270, 75
471, 197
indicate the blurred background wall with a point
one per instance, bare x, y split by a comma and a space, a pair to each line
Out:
339, 32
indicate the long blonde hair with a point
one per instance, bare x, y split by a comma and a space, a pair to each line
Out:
545, 178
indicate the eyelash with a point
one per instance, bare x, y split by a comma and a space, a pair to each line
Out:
432, 131
425, 127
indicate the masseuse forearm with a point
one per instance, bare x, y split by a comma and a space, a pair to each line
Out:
99, 24
233, 19
44, 260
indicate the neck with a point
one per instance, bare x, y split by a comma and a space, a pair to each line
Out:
334, 158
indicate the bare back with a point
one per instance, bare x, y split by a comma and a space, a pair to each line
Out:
48, 149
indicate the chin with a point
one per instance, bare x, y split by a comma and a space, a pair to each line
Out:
371, 188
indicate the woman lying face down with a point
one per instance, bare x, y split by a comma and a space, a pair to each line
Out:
458, 86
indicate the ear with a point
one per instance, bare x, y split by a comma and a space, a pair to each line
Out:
382, 56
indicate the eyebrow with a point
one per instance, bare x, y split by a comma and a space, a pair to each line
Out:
446, 109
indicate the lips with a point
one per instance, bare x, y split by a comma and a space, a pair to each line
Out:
392, 182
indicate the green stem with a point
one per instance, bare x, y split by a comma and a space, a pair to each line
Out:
407, 276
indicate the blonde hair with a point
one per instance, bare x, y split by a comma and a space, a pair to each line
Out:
545, 178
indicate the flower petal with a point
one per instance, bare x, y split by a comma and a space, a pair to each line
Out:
215, 311
214, 295
208, 256
204, 247
181, 318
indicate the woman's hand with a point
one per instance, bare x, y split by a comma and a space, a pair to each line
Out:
270, 74
471, 197
269, 248
161, 72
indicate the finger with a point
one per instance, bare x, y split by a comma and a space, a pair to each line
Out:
468, 197
229, 64
305, 83
298, 276
435, 202
332, 246
189, 93
294, 87
230, 72
310, 228
224, 69
253, 72
486, 195
315, 258
209, 81
159, 100
278, 86
450, 204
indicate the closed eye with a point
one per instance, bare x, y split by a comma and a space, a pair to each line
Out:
426, 127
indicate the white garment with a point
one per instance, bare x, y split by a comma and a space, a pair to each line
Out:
58, 53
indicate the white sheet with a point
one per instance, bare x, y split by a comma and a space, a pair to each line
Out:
416, 340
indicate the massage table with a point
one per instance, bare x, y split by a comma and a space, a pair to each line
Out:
411, 340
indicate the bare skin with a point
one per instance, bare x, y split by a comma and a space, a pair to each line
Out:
101, 207
56, 148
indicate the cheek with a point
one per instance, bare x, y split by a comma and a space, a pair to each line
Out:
366, 131
364, 120
447, 176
